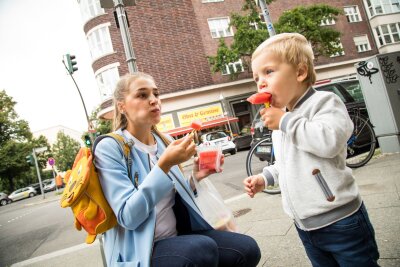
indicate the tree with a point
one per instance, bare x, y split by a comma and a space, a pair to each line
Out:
11, 128
100, 126
13, 165
251, 32
64, 150
307, 21
14, 145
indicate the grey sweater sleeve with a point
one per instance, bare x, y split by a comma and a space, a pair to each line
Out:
324, 130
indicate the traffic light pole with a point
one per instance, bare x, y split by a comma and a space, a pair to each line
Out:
38, 172
267, 17
83, 102
126, 38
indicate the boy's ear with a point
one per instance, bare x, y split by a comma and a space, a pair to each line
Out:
302, 72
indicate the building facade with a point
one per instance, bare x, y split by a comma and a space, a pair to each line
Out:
172, 39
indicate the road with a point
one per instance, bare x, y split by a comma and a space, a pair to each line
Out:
29, 229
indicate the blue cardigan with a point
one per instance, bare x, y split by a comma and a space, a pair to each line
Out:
130, 243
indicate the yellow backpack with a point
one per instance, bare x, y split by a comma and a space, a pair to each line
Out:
83, 192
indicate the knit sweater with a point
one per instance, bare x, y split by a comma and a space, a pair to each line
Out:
313, 136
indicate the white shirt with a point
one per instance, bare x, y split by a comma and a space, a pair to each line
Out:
165, 220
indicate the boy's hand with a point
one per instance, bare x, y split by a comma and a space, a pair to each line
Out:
253, 184
271, 117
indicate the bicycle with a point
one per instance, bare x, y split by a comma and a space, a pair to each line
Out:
360, 149
263, 150
362, 143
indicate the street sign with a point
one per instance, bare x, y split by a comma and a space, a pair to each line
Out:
51, 161
40, 149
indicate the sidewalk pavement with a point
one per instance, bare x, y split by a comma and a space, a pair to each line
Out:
262, 218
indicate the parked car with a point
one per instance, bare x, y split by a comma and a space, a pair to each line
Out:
23, 193
50, 186
243, 140
348, 90
36, 186
4, 199
219, 138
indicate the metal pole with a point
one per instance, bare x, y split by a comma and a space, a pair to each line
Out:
126, 38
54, 177
267, 18
225, 113
38, 172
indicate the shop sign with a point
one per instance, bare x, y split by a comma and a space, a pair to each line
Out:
166, 123
204, 114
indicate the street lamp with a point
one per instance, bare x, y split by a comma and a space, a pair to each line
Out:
119, 5
225, 113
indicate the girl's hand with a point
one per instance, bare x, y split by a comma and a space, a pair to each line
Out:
177, 152
253, 184
201, 174
271, 117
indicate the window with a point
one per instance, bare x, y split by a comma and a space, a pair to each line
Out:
90, 9
100, 41
362, 43
352, 14
220, 27
211, 1
388, 33
338, 53
376, 7
328, 21
233, 67
106, 80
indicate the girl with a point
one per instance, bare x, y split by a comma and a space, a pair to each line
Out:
158, 221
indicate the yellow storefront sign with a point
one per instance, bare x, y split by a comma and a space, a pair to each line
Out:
207, 113
166, 123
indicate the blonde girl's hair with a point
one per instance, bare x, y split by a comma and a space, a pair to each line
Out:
291, 48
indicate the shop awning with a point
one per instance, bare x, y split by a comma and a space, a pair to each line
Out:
206, 125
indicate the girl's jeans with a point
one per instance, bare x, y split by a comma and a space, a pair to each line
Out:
348, 242
209, 248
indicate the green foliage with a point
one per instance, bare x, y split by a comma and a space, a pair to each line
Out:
64, 151
251, 32
13, 163
101, 126
11, 128
42, 157
307, 21
14, 145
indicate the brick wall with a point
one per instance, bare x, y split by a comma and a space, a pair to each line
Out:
348, 30
171, 39
166, 42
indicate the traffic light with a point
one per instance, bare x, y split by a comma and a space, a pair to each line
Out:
30, 160
88, 141
71, 62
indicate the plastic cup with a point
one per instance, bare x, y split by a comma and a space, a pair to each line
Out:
209, 158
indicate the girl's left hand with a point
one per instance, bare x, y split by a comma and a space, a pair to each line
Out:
201, 174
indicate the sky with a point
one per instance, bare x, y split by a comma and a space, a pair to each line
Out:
34, 36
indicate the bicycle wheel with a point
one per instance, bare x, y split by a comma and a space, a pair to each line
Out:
362, 143
259, 156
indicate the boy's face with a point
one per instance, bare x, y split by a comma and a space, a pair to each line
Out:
278, 78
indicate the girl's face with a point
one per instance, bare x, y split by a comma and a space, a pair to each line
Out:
278, 78
142, 105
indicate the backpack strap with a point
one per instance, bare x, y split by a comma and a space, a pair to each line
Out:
126, 148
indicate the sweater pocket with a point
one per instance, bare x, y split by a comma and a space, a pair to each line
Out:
323, 185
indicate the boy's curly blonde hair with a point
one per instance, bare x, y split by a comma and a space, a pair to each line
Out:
291, 48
